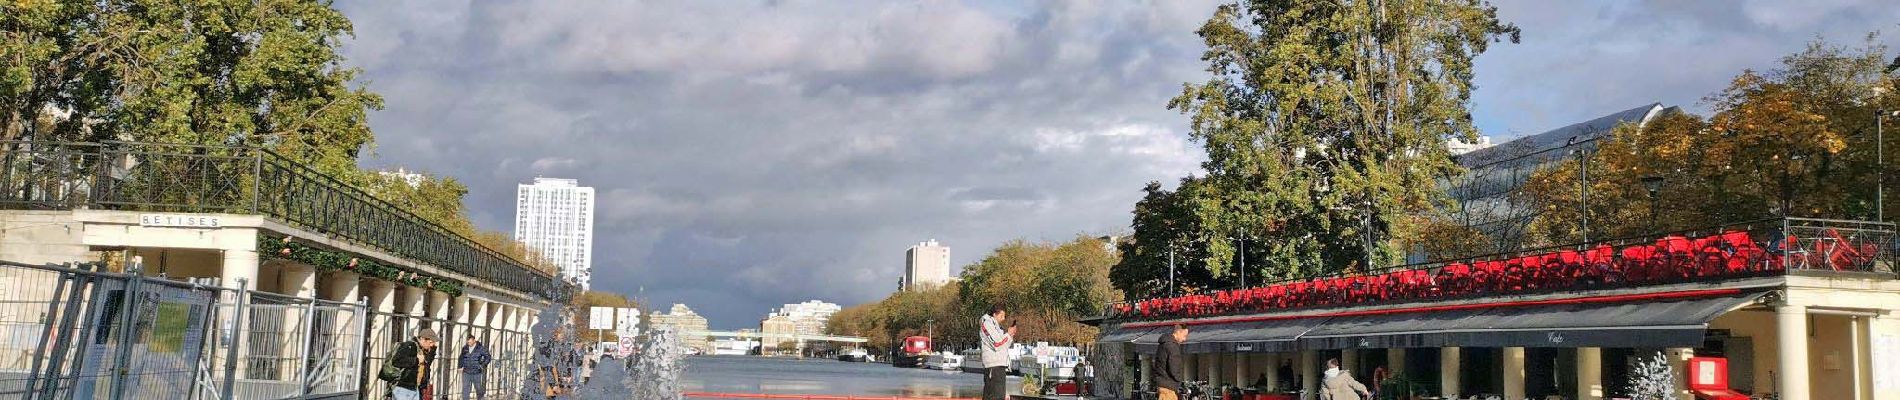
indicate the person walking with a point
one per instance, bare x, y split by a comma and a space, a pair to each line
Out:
996, 342
1169, 367
474, 365
1339, 384
412, 359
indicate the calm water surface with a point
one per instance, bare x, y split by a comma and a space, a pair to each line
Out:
745, 374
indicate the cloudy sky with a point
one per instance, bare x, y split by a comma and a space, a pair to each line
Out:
754, 153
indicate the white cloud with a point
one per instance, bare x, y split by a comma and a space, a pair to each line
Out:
802, 144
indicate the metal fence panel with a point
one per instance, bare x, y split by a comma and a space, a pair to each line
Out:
77, 333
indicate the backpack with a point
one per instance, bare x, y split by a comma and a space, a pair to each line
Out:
390, 372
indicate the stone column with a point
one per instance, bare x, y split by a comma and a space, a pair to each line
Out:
1863, 360
382, 296
300, 281
438, 306
1210, 368
1395, 361
1790, 334
1448, 372
1309, 374
382, 299
1513, 369
237, 265
1273, 371
412, 303
340, 286
1590, 373
1240, 370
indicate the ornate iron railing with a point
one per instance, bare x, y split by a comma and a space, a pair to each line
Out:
240, 180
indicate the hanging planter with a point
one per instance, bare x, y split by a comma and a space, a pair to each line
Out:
332, 260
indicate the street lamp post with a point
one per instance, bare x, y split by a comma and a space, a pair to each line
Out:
1243, 261
1172, 292
1583, 186
1367, 215
1880, 164
1654, 184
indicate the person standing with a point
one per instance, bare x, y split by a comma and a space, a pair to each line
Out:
413, 359
1084, 377
474, 365
996, 341
1340, 385
1169, 367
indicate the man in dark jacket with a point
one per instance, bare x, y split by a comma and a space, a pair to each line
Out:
413, 357
474, 365
1168, 364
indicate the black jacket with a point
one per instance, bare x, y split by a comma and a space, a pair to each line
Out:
405, 358
1168, 363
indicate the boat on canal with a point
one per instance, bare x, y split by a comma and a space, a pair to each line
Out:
1048, 361
943, 360
972, 361
912, 353
854, 355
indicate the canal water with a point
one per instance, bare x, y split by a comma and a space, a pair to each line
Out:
770, 375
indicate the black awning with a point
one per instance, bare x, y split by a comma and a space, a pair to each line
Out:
1254, 337
1671, 323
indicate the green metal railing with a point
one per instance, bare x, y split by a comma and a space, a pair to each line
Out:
240, 180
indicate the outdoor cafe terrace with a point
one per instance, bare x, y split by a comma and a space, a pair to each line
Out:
1702, 259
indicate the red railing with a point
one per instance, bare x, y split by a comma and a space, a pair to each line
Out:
1761, 248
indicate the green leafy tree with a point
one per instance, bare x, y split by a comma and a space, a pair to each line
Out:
1046, 287
264, 73
1166, 231
1321, 116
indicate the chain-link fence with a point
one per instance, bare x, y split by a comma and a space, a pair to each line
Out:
78, 332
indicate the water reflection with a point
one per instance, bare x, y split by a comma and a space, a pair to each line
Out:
746, 374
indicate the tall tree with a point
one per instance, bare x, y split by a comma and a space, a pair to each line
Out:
1800, 137
1325, 123
1165, 230
263, 73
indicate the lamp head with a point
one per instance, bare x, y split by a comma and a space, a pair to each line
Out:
1653, 184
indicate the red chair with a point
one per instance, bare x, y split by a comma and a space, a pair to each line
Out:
1638, 263
1570, 269
1711, 256
1679, 256
1847, 256
1454, 279
1744, 254
1600, 266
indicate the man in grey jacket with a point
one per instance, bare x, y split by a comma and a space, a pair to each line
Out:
996, 341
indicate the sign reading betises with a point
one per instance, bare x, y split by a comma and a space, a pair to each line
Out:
180, 221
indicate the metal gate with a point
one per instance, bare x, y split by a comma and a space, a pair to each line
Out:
78, 332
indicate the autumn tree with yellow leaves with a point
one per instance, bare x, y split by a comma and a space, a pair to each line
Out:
1796, 141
